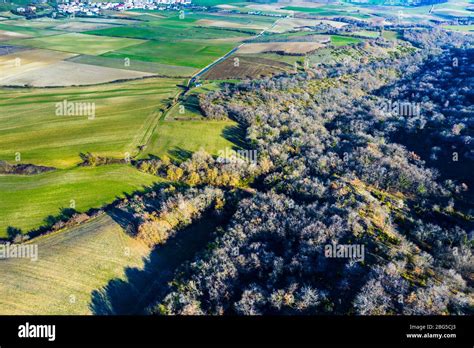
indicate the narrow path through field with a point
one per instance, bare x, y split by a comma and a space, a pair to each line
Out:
160, 117
218, 60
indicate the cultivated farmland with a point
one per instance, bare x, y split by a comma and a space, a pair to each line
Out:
135, 65
290, 48
44, 195
26, 61
119, 126
179, 139
9, 35
70, 74
117, 103
170, 29
129, 117
229, 24
195, 54
78, 43
70, 266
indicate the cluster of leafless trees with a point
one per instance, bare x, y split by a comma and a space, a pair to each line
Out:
336, 177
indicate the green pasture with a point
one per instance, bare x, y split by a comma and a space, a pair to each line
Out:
78, 43
27, 30
461, 28
28, 201
338, 40
196, 54
137, 65
178, 139
171, 30
328, 10
71, 265
124, 114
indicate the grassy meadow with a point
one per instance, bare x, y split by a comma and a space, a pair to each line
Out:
338, 40
78, 43
28, 201
135, 65
58, 283
328, 10
178, 139
196, 54
124, 112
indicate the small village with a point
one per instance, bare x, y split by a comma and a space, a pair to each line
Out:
89, 8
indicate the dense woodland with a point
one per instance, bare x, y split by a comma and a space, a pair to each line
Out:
331, 170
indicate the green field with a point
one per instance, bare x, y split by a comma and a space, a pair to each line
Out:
78, 43
27, 30
124, 113
185, 110
32, 24
171, 30
367, 33
461, 28
417, 14
71, 265
279, 58
173, 138
28, 200
188, 108
390, 35
285, 37
370, 34
191, 54
338, 40
137, 65
328, 10
215, 2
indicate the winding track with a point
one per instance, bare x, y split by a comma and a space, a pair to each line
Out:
141, 147
228, 54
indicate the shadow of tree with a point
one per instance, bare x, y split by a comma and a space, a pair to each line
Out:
64, 214
180, 153
192, 104
124, 219
236, 135
143, 287
12, 232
